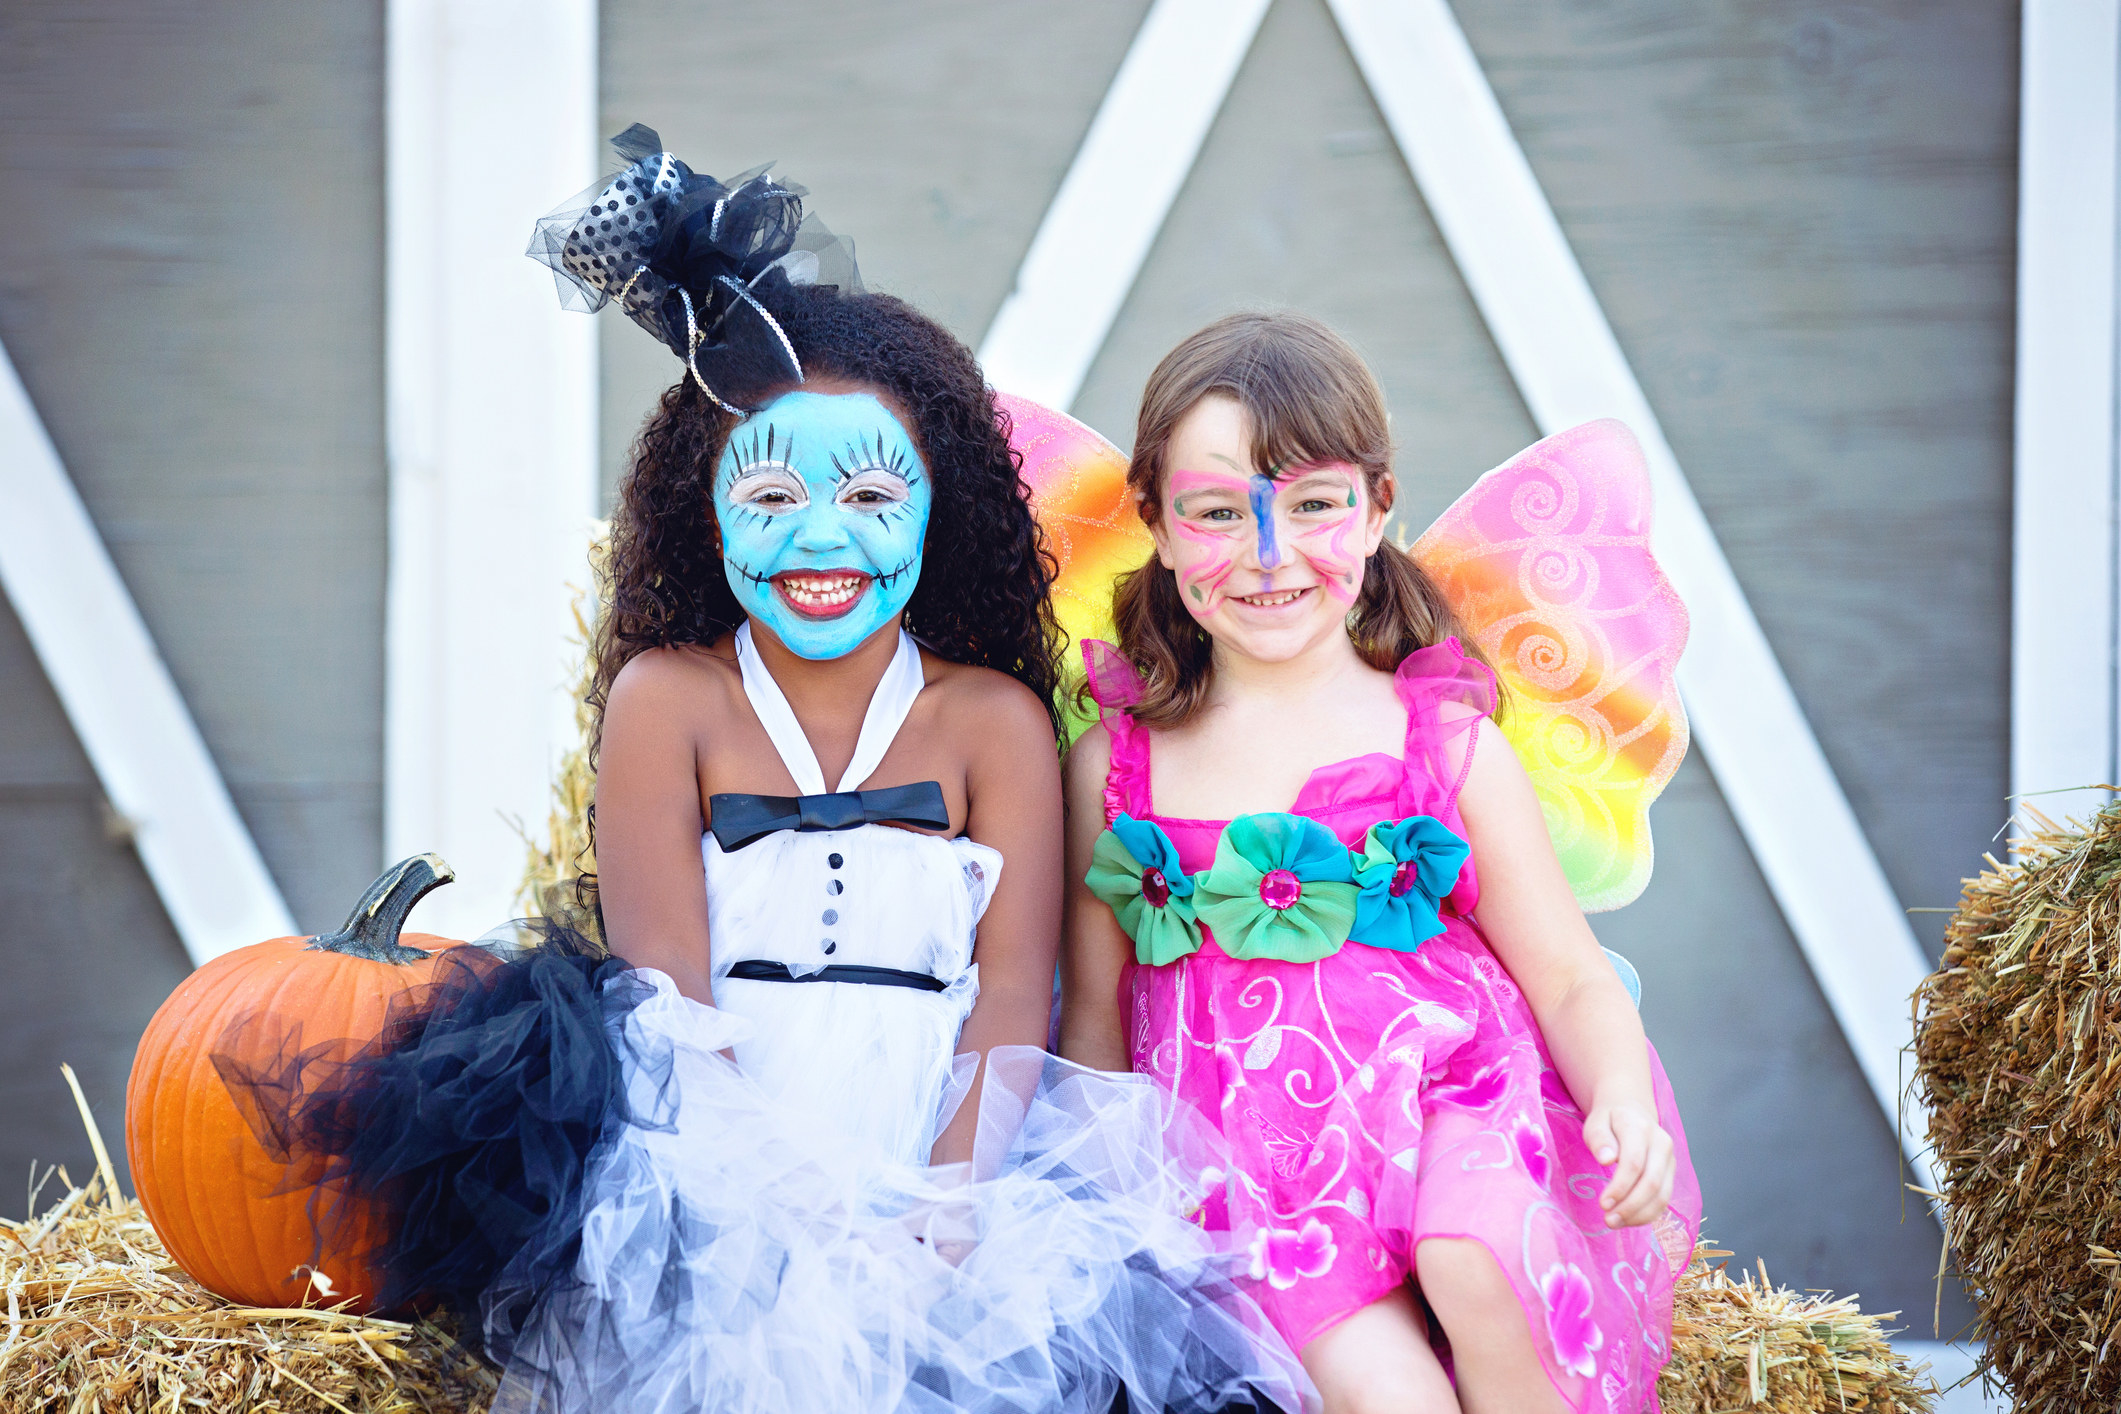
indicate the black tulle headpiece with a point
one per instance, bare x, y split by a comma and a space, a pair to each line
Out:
695, 262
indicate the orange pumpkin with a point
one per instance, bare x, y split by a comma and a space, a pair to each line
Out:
233, 1214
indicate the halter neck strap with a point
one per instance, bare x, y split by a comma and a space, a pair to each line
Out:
888, 706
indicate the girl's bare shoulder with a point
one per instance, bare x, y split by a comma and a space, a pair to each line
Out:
1087, 763
985, 701
682, 687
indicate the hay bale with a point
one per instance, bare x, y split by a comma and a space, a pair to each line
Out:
98, 1318
1742, 1345
559, 874
2018, 1055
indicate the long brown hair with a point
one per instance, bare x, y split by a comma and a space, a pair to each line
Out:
1309, 398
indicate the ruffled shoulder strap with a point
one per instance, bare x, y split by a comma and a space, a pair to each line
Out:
1116, 687
1446, 691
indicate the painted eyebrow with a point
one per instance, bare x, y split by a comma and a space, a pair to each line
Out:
1332, 475
1272, 473
1235, 489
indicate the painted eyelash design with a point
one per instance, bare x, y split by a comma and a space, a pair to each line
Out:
765, 449
748, 512
874, 456
761, 452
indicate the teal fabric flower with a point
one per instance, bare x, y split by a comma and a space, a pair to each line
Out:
1405, 871
1282, 887
1135, 871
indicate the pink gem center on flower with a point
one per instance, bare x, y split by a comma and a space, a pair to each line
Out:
1280, 889
1155, 887
1402, 878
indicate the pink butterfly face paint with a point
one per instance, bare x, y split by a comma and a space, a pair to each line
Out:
1266, 561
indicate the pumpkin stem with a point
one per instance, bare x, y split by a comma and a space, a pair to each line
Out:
371, 930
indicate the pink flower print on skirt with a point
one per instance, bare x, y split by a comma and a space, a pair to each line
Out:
1282, 1256
1574, 1335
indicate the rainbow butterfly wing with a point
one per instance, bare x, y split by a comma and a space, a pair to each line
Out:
1547, 561
1078, 486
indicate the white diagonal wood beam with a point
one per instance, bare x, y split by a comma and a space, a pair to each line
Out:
1135, 157
2063, 552
1554, 337
123, 704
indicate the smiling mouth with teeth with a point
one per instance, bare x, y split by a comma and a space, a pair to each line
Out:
1276, 600
820, 594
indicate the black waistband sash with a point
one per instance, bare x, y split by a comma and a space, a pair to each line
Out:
753, 969
741, 819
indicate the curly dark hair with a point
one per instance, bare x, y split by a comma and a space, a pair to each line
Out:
983, 594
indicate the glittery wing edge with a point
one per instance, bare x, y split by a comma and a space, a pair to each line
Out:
1077, 482
1547, 561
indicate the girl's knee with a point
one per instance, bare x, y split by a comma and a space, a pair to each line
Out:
1498, 1360
1462, 1281
1381, 1389
1378, 1361
1391, 1396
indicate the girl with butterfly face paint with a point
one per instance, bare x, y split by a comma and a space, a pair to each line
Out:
1435, 1117
733, 1172
1267, 562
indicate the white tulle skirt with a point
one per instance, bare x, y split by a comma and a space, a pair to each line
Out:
735, 1258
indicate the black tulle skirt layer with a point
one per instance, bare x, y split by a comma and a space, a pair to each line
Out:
569, 1162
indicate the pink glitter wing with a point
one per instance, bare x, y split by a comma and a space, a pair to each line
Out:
1547, 561
1078, 486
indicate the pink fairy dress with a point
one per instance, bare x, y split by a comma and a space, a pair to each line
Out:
1316, 984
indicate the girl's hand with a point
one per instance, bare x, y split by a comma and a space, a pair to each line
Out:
1628, 1137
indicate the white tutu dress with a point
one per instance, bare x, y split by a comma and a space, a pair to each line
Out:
767, 1235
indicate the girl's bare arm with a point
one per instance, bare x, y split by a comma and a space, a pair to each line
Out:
651, 880
1013, 804
1531, 920
1094, 948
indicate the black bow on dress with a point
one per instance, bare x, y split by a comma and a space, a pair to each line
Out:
741, 819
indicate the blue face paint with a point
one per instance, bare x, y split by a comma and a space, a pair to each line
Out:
823, 503
1262, 494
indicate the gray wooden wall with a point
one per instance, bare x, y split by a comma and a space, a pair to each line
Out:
1798, 216
191, 288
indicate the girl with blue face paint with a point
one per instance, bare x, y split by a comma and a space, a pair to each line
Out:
828, 854
881, 872
823, 501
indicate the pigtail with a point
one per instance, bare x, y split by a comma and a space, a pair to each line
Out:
1165, 645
